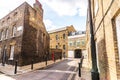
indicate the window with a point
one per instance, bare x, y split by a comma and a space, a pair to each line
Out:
56, 46
8, 19
96, 7
0, 52
74, 43
20, 28
56, 37
13, 31
6, 33
78, 43
3, 22
117, 21
43, 35
63, 36
64, 47
2, 35
15, 14
11, 52
83, 42
70, 44
96, 45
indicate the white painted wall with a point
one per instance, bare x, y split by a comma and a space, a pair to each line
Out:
71, 54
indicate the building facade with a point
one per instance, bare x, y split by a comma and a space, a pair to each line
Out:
59, 39
76, 44
23, 36
106, 21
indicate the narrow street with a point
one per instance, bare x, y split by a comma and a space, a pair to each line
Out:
64, 70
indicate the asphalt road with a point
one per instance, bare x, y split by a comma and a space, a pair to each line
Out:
65, 70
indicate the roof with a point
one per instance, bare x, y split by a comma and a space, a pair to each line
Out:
57, 30
62, 29
76, 36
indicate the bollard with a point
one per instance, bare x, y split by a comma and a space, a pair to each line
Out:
60, 58
54, 59
46, 60
15, 66
79, 69
32, 64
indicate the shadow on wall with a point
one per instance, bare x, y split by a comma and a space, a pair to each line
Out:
102, 60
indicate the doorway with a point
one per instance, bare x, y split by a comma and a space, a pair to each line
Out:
78, 53
4, 56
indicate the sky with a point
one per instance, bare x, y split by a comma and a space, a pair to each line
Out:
57, 13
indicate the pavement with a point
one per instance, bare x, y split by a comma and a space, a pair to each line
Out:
10, 69
85, 74
61, 70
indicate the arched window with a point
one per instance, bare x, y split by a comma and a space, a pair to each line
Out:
56, 37
56, 46
63, 36
64, 47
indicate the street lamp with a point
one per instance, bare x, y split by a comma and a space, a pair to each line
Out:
94, 72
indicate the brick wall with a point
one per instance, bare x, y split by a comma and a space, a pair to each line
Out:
105, 37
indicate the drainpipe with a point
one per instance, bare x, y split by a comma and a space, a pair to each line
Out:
94, 71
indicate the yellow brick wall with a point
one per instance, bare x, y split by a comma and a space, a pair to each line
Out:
61, 41
105, 37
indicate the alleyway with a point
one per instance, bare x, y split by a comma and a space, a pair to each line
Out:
65, 70
59, 71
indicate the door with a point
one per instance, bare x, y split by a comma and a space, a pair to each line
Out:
4, 56
78, 53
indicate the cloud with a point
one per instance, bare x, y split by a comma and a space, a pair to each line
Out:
68, 7
9, 5
49, 24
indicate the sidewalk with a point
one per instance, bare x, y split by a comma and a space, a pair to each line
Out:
9, 69
85, 74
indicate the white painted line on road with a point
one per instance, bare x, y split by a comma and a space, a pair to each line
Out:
71, 75
59, 71
4, 77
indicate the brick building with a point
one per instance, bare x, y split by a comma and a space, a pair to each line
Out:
23, 36
76, 44
59, 38
106, 21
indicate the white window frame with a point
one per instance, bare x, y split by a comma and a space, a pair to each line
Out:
97, 57
117, 22
0, 51
6, 34
96, 7
2, 35
11, 52
13, 31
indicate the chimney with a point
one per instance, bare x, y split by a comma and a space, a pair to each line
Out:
38, 8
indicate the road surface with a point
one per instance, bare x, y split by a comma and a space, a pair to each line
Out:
65, 70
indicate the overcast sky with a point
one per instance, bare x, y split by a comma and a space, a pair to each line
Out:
57, 13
